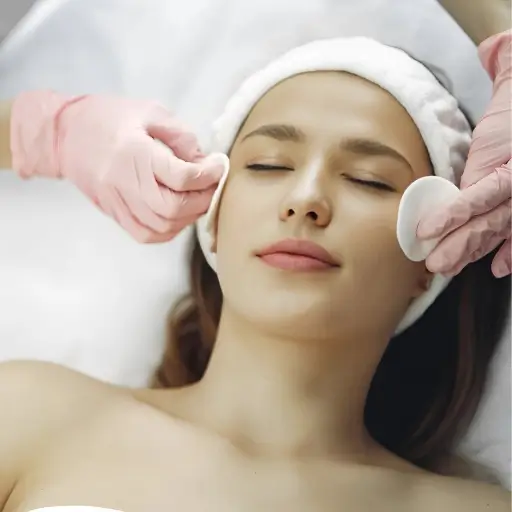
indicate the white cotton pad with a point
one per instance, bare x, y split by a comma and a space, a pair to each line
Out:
424, 195
212, 210
206, 223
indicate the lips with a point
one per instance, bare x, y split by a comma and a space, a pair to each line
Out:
300, 255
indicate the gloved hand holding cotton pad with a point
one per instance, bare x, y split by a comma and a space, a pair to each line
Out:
445, 131
422, 196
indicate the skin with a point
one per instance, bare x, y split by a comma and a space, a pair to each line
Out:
5, 137
480, 19
276, 423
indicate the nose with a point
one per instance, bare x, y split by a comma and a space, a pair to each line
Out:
308, 204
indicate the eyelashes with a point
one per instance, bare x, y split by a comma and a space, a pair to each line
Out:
376, 185
266, 167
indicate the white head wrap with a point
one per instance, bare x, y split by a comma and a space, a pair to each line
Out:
444, 128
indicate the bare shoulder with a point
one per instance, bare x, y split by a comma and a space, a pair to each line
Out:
459, 495
42, 386
38, 402
44, 396
50, 393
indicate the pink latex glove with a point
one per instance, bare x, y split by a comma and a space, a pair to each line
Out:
133, 159
480, 220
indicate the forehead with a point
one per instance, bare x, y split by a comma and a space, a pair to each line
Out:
332, 105
327, 92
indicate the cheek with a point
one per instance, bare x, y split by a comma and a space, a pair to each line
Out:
377, 272
372, 244
248, 210
238, 218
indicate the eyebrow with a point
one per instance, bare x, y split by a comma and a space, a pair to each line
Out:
371, 147
281, 132
357, 145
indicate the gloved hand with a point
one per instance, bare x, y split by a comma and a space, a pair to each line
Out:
480, 220
133, 159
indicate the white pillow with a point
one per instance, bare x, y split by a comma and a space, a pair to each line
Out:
74, 288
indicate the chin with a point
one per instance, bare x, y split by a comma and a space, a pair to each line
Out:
293, 315
285, 302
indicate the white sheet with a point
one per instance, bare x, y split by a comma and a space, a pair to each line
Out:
74, 288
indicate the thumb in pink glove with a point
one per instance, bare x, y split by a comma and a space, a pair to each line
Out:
480, 220
132, 158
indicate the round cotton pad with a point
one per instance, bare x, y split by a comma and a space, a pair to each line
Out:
424, 195
206, 224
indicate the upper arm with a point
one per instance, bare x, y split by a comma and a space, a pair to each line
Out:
5, 135
38, 401
483, 20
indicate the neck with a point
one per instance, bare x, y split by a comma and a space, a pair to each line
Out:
282, 397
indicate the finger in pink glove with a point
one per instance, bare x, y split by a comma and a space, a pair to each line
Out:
132, 158
471, 227
481, 219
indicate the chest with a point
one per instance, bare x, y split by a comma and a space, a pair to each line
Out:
136, 470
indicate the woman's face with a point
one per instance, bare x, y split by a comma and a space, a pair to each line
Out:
323, 157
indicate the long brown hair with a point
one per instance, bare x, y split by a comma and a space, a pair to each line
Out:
429, 382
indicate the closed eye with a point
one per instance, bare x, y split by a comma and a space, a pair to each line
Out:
374, 184
267, 167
